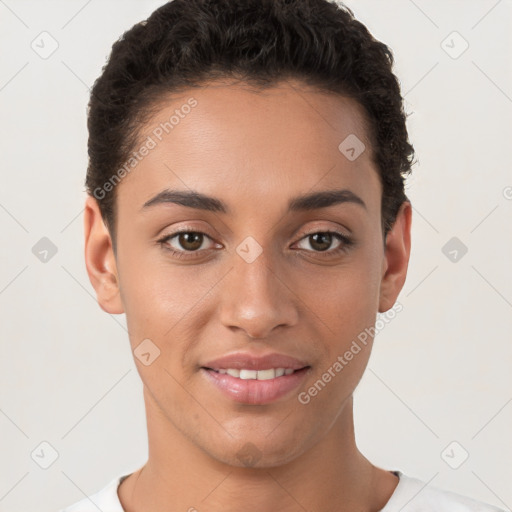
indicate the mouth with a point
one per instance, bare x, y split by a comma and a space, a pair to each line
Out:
255, 387
248, 374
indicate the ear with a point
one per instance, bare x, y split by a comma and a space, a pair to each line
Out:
100, 259
396, 258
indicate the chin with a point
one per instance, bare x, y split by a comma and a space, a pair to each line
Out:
258, 452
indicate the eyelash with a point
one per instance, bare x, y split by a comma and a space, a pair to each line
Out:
346, 243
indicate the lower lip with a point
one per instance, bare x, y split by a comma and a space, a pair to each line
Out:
253, 391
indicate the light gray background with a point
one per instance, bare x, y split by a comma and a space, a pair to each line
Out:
440, 371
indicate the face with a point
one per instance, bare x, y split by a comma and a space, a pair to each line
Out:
248, 274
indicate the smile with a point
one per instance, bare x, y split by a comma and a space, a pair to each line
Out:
245, 374
255, 387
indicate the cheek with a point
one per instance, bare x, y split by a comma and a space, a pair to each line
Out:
344, 303
160, 298
345, 297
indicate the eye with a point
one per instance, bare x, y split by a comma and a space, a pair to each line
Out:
186, 241
321, 241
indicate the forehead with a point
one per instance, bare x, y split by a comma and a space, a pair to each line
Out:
252, 146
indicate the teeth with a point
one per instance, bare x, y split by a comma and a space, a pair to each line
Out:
249, 374
271, 373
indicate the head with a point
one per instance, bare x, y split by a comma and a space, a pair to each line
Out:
258, 105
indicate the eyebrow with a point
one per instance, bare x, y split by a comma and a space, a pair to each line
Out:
306, 202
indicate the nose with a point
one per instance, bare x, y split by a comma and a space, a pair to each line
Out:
256, 297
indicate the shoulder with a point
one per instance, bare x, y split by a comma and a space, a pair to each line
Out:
414, 495
106, 499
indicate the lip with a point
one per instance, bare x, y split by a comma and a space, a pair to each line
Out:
253, 391
241, 360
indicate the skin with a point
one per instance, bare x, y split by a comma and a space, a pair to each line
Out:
254, 151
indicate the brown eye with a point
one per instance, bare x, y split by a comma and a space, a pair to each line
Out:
183, 242
190, 241
321, 241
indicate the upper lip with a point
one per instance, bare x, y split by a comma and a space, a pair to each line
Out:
244, 360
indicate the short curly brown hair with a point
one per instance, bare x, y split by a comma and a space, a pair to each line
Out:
185, 43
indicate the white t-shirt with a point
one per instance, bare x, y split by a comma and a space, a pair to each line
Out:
410, 495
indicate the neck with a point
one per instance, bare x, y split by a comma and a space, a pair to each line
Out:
331, 476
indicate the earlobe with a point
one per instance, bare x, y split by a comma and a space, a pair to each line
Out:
396, 256
100, 259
